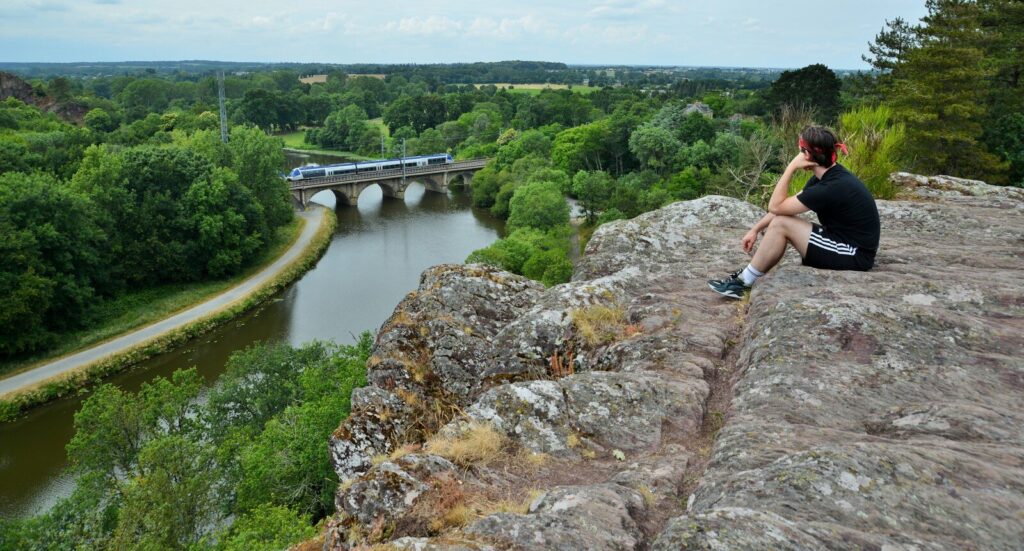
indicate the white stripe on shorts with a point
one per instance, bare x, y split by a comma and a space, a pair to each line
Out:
830, 245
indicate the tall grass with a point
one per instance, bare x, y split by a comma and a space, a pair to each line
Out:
874, 139
786, 126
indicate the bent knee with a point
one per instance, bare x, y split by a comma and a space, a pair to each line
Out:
781, 222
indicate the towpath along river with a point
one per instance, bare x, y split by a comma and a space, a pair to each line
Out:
33, 377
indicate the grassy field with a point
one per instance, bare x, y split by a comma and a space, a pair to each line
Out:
535, 89
297, 140
140, 308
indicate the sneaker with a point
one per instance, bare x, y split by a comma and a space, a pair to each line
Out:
732, 287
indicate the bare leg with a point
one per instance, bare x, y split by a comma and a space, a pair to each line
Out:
781, 230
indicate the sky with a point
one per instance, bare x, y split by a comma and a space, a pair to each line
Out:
736, 33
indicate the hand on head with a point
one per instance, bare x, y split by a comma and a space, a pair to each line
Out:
802, 161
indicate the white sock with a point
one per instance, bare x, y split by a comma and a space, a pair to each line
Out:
750, 274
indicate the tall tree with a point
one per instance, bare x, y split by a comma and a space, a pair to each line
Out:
593, 189
49, 256
815, 86
537, 205
940, 90
258, 161
654, 146
891, 45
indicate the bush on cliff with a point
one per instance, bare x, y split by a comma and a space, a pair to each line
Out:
536, 254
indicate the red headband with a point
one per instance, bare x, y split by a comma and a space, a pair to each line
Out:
821, 151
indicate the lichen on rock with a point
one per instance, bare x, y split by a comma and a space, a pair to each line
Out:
835, 410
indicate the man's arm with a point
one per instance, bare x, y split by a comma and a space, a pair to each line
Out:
751, 237
780, 204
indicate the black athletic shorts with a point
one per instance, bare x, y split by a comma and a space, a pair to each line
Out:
827, 252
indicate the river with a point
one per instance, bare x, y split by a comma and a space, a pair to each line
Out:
375, 258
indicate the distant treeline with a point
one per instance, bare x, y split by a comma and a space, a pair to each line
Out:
514, 72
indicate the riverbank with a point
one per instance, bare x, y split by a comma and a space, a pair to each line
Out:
63, 376
125, 313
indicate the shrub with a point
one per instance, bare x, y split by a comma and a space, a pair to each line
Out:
267, 528
536, 254
873, 138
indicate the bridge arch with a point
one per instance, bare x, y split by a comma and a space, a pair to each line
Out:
393, 182
341, 197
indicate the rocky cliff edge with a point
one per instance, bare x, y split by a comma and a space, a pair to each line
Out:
632, 408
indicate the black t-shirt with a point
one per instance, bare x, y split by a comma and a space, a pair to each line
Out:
844, 207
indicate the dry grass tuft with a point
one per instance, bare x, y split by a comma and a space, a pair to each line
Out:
520, 506
446, 506
409, 397
347, 483
532, 458
477, 444
648, 495
419, 372
457, 516
314, 544
403, 451
399, 318
429, 413
599, 324
561, 365
572, 440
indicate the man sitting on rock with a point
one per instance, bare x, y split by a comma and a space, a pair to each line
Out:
847, 237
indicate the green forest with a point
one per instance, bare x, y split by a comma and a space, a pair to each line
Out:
246, 468
141, 192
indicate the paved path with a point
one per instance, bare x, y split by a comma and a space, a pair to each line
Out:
314, 218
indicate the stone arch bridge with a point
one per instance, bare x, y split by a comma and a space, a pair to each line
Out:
393, 182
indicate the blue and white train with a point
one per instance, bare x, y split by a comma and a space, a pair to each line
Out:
315, 171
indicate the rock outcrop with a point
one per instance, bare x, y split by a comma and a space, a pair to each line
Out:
638, 410
11, 86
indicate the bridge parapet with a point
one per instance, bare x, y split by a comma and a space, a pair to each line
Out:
347, 187
474, 165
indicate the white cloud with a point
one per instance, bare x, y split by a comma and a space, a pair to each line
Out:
423, 25
510, 28
608, 34
261, 22
28, 8
738, 32
610, 9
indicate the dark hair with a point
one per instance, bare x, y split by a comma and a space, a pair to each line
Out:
822, 142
